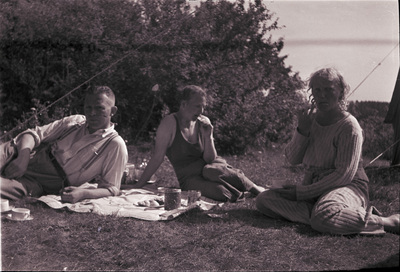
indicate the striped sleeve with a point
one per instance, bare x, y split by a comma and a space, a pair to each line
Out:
296, 148
349, 144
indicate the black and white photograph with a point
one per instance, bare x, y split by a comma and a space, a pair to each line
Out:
199, 135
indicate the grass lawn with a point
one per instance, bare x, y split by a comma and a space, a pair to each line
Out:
239, 239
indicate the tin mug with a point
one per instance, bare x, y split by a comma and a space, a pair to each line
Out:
193, 196
172, 198
130, 173
4, 205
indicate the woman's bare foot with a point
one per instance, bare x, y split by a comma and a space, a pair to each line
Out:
392, 223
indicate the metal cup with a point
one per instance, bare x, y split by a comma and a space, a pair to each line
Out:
172, 198
4, 205
193, 196
160, 191
130, 176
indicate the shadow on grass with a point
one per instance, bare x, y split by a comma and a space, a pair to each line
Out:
245, 217
390, 264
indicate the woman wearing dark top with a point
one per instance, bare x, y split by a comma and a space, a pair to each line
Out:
186, 138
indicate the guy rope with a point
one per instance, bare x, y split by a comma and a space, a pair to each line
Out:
377, 157
152, 39
376, 66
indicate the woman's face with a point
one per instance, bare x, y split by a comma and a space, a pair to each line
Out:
194, 106
326, 94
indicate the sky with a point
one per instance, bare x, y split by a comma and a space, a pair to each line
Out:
353, 36
359, 38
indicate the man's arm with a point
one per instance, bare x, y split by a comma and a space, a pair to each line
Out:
164, 138
17, 167
75, 194
29, 139
109, 181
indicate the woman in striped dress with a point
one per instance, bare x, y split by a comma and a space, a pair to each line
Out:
333, 197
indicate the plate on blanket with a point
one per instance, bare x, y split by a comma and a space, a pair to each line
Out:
156, 202
9, 217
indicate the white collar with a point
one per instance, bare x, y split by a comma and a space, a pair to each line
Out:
103, 132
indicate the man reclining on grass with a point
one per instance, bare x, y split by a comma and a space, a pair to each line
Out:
186, 137
59, 157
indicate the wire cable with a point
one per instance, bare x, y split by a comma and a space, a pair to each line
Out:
95, 75
377, 157
373, 70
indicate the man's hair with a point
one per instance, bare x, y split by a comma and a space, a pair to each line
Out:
101, 90
189, 91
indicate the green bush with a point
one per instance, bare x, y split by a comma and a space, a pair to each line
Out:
50, 47
378, 136
259, 122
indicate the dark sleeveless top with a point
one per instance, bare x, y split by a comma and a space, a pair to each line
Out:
186, 158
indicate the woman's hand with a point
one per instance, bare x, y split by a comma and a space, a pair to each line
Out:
288, 192
206, 128
304, 120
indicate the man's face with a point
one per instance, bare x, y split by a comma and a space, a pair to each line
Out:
98, 111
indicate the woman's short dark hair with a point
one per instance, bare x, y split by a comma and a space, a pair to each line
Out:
189, 91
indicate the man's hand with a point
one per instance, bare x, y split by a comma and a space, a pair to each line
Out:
206, 128
288, 192
17, 167
72, 194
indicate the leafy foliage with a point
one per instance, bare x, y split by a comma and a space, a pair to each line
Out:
378, 135
50, 47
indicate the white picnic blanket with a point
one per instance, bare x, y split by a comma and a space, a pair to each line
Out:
126, 205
